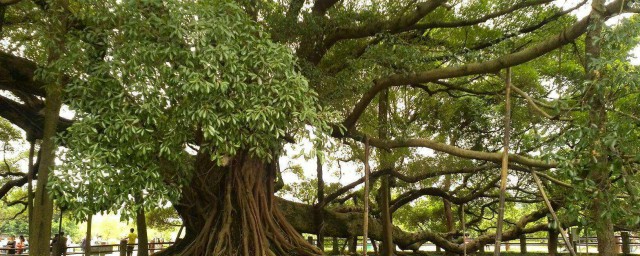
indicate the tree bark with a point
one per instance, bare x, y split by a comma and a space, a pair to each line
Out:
505, 161
319, 216
387, 248
599, 162
30, 180
230, 210
552, 245
40, 230
141, 225
365, 215
87, 238
448, 213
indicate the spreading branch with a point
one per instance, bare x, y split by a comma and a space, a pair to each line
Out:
566, 36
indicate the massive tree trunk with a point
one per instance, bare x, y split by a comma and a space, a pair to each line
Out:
344, 225
230, 210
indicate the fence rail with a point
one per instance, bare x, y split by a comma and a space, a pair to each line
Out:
627, 244
99, 249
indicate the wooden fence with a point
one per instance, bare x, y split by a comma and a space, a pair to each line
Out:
627, 245
99, 250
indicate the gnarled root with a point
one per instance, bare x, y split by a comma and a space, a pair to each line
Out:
241, 218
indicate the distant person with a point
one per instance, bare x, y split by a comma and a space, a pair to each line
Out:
131, 241
52, 247
152, 245
11, 245
20, 245
62, 244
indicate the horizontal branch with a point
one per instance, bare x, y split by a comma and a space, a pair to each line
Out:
28, 118
394, 25
476, 21
7, 186
409, 196
490, 66
349, 224
495, 157
410, 179
17, 74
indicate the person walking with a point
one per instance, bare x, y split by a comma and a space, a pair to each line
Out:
131, 241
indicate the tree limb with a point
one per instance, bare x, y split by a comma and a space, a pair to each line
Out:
490, 66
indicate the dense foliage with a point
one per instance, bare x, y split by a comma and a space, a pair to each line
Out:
157, 81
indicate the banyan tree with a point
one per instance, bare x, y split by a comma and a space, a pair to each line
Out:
192, 103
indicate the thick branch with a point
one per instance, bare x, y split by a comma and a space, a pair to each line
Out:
6, 187
471, 22
395, 25
17, 74
409, 196
491, 66
495, 157
350, 224
428, 174
29, 119
321, 6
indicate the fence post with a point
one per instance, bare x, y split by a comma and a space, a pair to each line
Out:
575, 236
552, 243
336, 246
353, 245
122, 248
523, 243
626, 243
310, 239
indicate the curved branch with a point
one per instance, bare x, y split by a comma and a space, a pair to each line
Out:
6, 187
395, 25
27, 118
322, 6
495, 157
350, 224
333, 196
525, 55
17, 74
432, 191
471, 22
